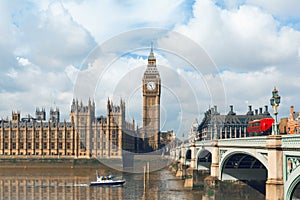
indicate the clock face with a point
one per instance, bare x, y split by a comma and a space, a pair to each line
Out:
151, 85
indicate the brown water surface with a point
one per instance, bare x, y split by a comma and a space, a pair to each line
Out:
72, 183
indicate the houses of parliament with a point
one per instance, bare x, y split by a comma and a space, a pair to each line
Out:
85, 135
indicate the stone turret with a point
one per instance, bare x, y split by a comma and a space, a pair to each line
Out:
40, 114
81, 114
54, 115
116, 113
15, 117
83, 117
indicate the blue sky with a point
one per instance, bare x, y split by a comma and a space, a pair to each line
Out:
246, 47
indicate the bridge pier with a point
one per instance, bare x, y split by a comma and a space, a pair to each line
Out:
214, 168
274, 184
193, 155
195, 178
182, 152
179, 172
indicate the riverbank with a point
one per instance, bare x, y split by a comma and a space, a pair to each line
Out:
137, 163
47, 162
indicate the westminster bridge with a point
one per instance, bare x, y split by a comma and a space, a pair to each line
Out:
274, 158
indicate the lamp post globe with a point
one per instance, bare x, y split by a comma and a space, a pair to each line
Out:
275, 101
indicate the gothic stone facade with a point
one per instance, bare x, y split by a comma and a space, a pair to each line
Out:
103, 136
84, 136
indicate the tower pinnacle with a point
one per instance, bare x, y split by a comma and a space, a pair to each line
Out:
151, 57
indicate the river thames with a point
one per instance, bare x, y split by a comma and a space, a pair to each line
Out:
72, 183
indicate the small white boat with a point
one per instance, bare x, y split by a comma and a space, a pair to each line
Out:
106, 181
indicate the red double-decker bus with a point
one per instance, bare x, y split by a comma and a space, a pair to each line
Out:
260, 127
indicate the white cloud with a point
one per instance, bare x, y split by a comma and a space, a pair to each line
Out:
23, 61
244, 38
51, 38
37, 43
12, 73
283, 9
7, 40
254, 88
72, 73
126, 16
28, 90
44, 46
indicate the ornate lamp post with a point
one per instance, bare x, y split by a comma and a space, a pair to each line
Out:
275, 101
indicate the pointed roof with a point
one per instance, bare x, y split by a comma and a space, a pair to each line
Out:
151, 55
151, 67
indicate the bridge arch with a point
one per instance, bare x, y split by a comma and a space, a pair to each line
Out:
188, 156
292, 183
203, 159
262, 159
248, 167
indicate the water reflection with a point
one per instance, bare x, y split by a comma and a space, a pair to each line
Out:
54, 188
65, 183
57, 183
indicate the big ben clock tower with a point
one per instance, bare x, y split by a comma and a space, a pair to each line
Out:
151, 105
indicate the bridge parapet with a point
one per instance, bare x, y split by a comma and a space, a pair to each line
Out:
205, 143
291, 141
288, 141
255, 142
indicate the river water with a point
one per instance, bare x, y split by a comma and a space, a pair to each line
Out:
58, 183
71, 183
